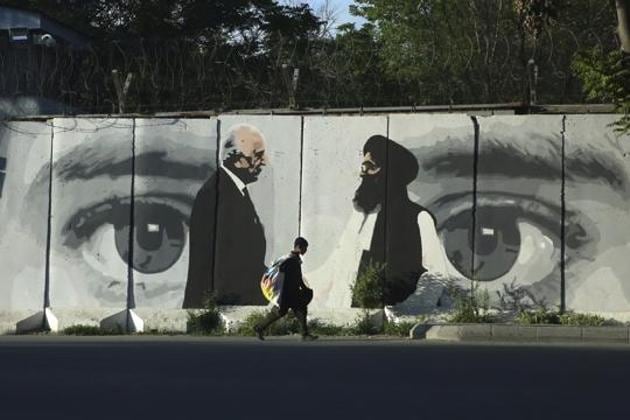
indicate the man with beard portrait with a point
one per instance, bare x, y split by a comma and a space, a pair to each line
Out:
386, 171
229, 264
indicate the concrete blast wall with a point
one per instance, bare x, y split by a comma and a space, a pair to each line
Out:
102, 215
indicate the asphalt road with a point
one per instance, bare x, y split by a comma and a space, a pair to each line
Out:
190, 378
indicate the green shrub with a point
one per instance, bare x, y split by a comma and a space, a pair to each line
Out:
368, 290
543, 316
471, 306
540, 316
208, 321
320, 328
584, 320
365, 325
289, 325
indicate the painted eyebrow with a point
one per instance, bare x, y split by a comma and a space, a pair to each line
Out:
146, 164
502, 157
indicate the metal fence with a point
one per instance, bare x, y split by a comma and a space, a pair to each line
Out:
186, 75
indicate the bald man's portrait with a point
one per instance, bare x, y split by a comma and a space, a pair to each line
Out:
229, 266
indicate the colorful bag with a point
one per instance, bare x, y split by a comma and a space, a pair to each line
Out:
272, 281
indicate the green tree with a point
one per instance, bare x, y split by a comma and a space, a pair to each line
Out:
477, 51
605, 73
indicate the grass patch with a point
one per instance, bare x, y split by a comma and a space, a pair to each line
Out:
286, 325
401, 329
289, 324
90, 330
543, 316
471, 306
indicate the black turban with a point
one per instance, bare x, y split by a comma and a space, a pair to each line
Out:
401, 165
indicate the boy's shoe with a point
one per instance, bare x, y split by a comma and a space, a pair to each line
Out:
309, 337
259, 333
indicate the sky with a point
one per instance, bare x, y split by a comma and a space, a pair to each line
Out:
344, 15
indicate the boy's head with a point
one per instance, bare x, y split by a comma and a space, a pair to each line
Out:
300, 245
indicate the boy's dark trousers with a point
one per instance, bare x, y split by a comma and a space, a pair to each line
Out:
277, 313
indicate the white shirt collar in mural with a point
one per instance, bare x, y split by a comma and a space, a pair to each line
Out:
237, 181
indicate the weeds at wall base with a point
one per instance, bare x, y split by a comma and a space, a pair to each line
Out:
91, 330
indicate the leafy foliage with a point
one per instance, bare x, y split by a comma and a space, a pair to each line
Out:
478, 51
368, 290
471, 306
605, 77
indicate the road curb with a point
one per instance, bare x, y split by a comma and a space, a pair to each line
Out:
520, 333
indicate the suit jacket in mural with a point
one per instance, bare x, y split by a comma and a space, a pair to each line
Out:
227, 246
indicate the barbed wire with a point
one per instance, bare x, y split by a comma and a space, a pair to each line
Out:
489, 66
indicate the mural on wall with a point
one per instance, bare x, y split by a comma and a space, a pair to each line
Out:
229, 268
92, 170
172, 160
160, 213
399, 224
24, 200
597, 195
441, 189
246, 214
518, 209
338, 232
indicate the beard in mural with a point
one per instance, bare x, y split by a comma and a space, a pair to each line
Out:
386, 171
227, 239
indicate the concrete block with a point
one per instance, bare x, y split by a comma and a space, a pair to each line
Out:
470, 332
127, 321
9, 320
33, 323
442, 332
135, 324
69, 317
233, 316
476, 332
41, 321
24, 180
419, 331
528, 332
606, 334
163, 320
51, 323
558, 333
505, 332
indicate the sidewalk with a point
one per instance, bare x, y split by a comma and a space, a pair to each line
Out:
521, 333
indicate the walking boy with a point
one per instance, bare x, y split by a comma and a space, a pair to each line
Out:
295, 294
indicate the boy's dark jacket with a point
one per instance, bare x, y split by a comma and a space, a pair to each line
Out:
295, 293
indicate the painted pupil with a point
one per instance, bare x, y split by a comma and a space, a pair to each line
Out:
159, 238
497, 243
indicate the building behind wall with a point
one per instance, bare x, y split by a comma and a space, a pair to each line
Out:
28, 43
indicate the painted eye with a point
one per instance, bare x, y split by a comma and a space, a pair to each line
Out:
497, 238
515, 240
159, 238
159, 234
